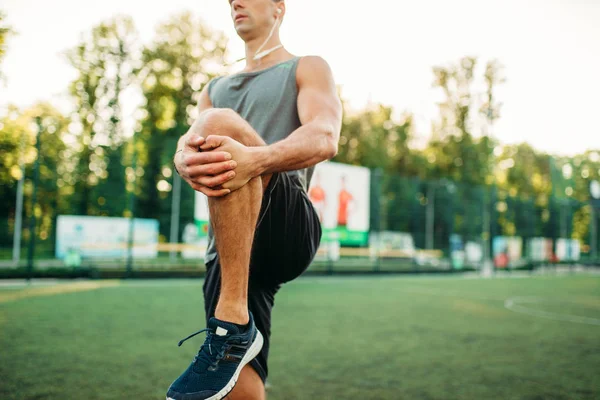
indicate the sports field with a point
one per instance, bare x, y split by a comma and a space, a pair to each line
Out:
381, 337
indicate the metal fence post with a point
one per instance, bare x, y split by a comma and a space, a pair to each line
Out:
32, 219
129, 271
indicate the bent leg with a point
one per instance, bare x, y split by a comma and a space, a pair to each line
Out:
233, 217
226, 122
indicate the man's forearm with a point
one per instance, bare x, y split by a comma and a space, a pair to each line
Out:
308, 145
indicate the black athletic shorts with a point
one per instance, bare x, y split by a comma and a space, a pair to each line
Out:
286, 240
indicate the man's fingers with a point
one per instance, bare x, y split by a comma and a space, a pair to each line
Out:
194, 141
212, 181
215, 168
192, 159
212, 142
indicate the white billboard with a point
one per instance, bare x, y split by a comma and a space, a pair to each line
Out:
105, 236
197, 237
568, 249
341, 194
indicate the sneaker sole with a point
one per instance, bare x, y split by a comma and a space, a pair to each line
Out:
250, 355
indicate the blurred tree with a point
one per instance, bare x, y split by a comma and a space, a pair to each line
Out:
15, 147
490, 107
105, 61
5, 32
454, 150
184, 56
372, 139
574, 192
18, 132
524, 183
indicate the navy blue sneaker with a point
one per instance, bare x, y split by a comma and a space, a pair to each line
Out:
217, 366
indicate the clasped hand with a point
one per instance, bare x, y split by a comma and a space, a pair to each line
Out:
215, 165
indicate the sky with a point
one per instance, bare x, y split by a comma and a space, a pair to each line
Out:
380, 51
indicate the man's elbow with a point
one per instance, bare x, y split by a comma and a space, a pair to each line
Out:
328, 138
330, 148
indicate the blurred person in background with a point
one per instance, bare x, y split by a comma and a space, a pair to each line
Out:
345, 204
318, 197
252, 151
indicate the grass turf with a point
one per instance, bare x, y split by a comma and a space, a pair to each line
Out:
379, 337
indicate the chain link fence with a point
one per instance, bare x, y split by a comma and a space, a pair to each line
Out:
414, 226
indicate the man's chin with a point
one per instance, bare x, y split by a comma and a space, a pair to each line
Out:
242, 26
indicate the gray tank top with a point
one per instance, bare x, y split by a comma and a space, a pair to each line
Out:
267, 99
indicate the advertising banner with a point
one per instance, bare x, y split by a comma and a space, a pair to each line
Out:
474, 253
568, 250
540, 249
507, 250
105, 237
340, 194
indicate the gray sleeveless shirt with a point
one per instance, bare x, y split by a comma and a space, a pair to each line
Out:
267, 100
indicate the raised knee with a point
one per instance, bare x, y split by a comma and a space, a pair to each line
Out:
220, 121
218, 115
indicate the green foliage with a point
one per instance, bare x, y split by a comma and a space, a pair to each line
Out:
184, 56
105, 60
18, 137
5, 32
96, 157
371, 138
454, 149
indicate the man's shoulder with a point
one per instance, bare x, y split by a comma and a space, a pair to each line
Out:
312, 67
313, 62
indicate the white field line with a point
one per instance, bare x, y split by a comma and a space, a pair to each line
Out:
515, 304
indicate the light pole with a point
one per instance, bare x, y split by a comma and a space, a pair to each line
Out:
488, 264
132, 213
594, 234
429, 217
175, 208
19, 208
32, 219
595, 204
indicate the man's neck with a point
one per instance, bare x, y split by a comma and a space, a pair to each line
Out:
253, 47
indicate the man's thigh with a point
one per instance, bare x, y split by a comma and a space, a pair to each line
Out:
226, 122
288, 232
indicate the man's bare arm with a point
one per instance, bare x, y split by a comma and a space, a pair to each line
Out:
320, 112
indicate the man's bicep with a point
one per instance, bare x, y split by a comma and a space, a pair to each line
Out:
317, 94
204, 102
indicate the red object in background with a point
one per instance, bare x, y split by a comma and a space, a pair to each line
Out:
344, 198
501, 260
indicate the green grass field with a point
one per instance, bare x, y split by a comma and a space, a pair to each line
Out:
381, 337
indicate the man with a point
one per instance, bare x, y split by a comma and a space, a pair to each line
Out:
252, 151
345, 202
317, 196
